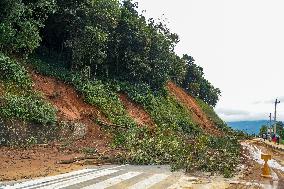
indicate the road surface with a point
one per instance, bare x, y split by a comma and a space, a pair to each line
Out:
121, 177
159, 177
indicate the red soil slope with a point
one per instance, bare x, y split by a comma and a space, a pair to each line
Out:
136, 111
43, 160
69, 104
197, 114
71, 107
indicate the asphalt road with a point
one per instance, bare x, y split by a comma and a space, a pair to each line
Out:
112, 176
154, 177
130, 177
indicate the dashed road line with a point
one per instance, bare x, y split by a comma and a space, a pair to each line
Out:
45, 182
113, 181
77, 180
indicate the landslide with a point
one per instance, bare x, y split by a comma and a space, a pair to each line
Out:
136, 111
72, 108
198, 116
44, 159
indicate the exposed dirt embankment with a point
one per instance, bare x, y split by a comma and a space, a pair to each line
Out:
136, 111
67, 101
71, 107
42, 161
190, 103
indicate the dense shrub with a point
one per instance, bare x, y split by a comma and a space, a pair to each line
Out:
20, 23
12, 71
29, 108
18, 100
166, 111
165, 146
211, 114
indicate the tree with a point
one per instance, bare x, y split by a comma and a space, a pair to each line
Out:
263, 129
196, 84
79, 32
113, 41
280, 129
128, 48
20, 23
142, 51
178, 69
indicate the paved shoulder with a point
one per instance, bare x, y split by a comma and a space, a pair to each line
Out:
121, 176
128, 177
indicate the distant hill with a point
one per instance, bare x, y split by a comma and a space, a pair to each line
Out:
251, 127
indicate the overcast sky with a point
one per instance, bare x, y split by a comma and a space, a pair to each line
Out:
240, 45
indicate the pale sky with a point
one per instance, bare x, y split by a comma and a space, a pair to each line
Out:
240, 45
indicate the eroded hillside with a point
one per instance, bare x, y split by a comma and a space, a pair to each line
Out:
80, 132
197, 114
88, 79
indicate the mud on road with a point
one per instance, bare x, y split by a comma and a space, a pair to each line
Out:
252, 152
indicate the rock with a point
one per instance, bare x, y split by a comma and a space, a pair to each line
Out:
79, 130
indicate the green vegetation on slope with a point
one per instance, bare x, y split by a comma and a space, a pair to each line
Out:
211, 114
112, 40
164, 109
94, 92
19, 102
102, 38
20, 24
196, 85
31, 108
102, 47
12, 72
175, 140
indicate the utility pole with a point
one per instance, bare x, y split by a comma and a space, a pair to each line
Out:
270, 127
275, 105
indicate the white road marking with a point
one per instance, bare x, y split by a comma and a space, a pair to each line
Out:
113, 181
78, 180
54, 179
147, 183
47, 179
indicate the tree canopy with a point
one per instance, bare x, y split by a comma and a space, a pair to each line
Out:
263, 129
20, 23
106, 39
